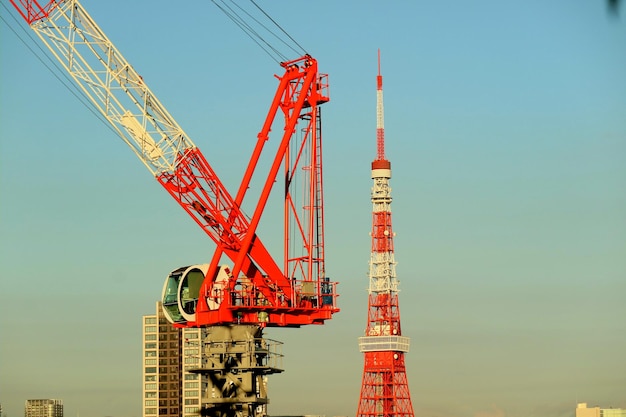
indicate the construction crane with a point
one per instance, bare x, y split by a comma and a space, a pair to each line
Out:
232, 301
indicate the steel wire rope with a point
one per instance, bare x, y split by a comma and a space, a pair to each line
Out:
246, 26
250, 32
66, 81
279, 27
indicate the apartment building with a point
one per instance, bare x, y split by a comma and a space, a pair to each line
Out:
43, 408
583, 411
168, 390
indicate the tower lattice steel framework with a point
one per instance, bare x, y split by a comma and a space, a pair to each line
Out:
384, 388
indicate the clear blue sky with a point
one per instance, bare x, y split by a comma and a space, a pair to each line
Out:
506, 128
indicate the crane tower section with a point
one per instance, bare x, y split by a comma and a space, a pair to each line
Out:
384, 387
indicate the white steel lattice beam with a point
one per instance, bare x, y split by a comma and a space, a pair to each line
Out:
113, 86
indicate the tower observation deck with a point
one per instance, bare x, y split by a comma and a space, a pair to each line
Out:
384, 387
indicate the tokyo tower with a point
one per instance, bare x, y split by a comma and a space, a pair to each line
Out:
384, 388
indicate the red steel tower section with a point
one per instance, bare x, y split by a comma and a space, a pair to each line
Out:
384, 389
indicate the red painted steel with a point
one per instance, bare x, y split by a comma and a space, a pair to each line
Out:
301, 89
32, 10
298, 293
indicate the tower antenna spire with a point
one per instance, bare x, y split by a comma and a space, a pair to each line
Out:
380, 116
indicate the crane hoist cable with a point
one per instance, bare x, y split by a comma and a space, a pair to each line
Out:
279, 27
252, 27
243, 23
50, 64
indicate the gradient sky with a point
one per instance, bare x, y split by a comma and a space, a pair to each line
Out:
506, 129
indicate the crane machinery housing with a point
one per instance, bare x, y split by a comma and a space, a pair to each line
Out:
233, 301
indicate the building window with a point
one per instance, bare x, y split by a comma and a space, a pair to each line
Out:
150, 337
151, 394
150, 410
191, 401
150, 370
150, 345
191, 393
150, 320
191, 377
150, 362
151, 386
150, 378
151, 329
150, 353
151, 403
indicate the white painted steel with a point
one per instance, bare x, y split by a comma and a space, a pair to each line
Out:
384, 343
382, 274
381, 173
113, 86
380, 110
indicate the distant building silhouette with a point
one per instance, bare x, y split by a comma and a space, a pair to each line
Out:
43, 408
583, 411
169, 391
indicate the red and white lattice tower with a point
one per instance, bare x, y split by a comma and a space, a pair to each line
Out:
384, 389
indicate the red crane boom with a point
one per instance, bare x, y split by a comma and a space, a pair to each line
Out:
255, 289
